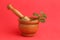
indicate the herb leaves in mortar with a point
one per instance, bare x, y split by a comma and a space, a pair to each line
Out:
41, 17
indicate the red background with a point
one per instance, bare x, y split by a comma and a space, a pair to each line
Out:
50, 30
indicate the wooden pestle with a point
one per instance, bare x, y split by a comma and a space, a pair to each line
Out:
19, 14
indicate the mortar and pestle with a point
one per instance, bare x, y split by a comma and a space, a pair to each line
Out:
27, 25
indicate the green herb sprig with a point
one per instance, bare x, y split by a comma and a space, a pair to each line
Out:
41, 17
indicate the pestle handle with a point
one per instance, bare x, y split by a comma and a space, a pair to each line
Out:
17, 12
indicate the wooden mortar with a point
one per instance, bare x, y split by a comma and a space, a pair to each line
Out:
28, 28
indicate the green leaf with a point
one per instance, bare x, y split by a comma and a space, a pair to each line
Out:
35, 14
42, 20
43, 14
